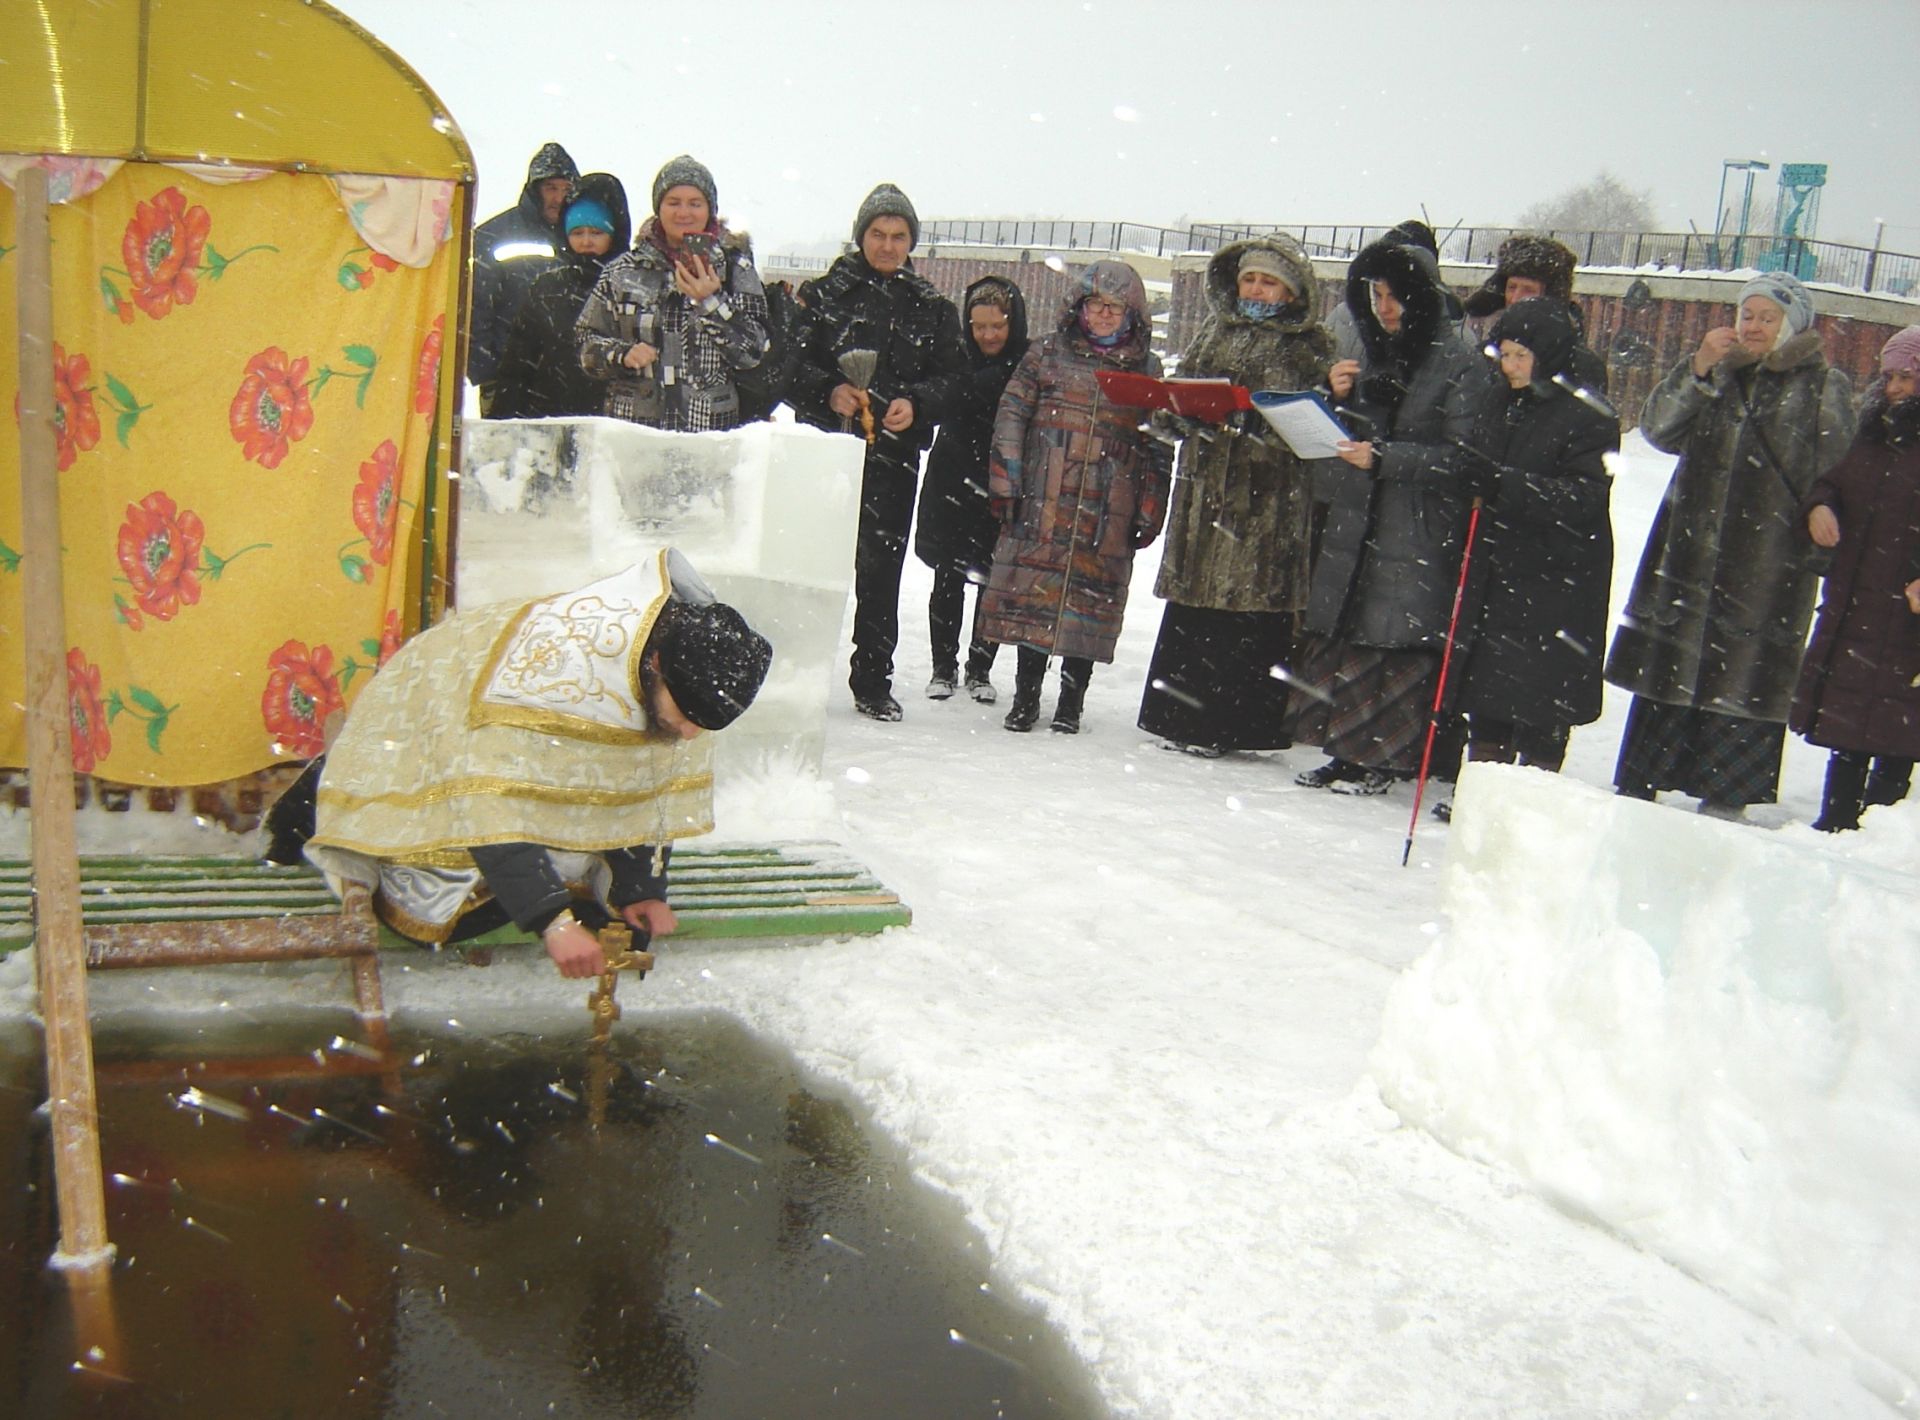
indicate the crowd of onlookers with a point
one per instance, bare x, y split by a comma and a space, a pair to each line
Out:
1436, 589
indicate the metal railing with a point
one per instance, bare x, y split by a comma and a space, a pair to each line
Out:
1834, 263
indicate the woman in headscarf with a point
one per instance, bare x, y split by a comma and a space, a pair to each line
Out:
1078, 486
1389, 556
1711, 638
673, 320
957, 530
1235, 568
1533, 615
539, 374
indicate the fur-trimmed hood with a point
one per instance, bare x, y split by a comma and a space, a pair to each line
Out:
1223, 282
646, 248
1806, 348
1413, 276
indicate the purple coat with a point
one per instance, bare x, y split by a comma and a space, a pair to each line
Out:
1860, 682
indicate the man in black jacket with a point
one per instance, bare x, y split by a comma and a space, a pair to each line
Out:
871, 299
511, 249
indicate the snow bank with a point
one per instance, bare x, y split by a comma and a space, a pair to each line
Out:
1698, 1033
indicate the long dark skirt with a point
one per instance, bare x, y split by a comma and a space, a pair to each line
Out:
1368, 706
1212, 680
1723, 759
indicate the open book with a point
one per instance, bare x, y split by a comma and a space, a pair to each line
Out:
1302, 418
1212, 400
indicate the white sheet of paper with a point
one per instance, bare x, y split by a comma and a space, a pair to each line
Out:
1303, 420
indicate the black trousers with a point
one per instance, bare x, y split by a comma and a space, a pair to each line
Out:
886, 514
946, 608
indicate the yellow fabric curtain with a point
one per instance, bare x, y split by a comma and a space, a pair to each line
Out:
248, 397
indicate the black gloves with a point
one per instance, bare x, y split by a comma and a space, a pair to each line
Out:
1482, 479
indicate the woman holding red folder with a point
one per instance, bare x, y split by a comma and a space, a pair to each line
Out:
1235, 570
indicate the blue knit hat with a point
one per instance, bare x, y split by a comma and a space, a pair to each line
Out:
585, 212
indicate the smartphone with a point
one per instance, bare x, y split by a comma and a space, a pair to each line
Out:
700, 244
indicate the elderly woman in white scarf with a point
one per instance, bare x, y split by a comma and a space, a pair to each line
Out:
1711, 637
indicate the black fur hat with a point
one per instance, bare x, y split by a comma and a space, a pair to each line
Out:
1412, 274
1528, 254
712, 662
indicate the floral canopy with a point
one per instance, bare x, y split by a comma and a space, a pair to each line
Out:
253, 426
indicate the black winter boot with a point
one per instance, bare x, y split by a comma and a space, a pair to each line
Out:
1840, 804
1024, 714
1074, 675
1888, 781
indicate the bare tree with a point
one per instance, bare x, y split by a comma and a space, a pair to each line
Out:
1604, 204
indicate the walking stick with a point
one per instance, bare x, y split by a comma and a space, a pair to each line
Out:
1440, 689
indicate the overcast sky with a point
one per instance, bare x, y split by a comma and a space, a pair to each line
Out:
1201, 110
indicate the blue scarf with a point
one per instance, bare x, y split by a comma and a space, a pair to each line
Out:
1259, 310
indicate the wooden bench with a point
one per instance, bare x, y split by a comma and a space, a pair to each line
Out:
216, 911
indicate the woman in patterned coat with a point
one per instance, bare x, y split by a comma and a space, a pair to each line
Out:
1078, 486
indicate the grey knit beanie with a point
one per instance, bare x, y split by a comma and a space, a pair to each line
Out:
686, 171
1787, 293
887, 200
1267, 260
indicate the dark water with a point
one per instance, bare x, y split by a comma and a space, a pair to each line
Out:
446, 1232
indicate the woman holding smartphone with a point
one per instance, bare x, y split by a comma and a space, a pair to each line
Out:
673, 321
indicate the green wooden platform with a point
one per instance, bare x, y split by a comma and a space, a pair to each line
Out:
788, 890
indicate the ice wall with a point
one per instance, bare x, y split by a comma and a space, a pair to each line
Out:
1704, 1035
767, 513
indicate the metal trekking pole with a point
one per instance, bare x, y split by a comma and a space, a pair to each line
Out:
1440, 688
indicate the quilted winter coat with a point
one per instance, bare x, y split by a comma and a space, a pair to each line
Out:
1085, 483
1239, 530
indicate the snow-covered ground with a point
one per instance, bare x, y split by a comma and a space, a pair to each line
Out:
1130, 1029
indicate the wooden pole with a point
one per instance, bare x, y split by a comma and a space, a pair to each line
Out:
59, 942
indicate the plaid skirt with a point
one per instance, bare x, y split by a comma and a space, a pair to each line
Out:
1723, 759
1368, 706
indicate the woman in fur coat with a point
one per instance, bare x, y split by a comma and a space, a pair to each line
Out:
673, 320
1235, 568
1859, 691
1711, 638
1078, 486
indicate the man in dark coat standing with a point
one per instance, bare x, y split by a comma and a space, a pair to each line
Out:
510, 250
871, 299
